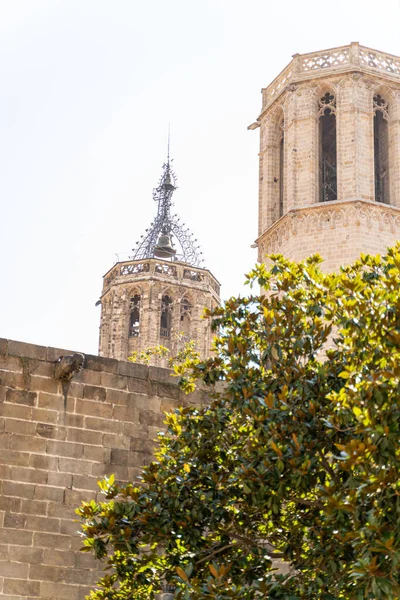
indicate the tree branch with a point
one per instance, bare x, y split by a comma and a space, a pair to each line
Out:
198, 562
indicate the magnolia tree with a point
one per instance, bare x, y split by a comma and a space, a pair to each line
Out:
297, 457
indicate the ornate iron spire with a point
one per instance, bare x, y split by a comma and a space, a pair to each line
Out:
167, 237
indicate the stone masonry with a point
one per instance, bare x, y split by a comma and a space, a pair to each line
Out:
147, 283
351, 83
56, 441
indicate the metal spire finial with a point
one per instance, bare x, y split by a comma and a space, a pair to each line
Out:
169, 137
166, 229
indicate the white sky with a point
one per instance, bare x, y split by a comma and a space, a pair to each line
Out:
88, 88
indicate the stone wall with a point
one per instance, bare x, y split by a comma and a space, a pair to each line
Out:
54, 448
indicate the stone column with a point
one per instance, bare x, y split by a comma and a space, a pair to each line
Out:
346, 138
364, 139
301, 148
394, 147
269, 189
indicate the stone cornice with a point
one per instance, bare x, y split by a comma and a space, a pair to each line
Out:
329, 215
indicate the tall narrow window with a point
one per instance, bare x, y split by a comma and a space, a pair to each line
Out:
281, 165
166, 317
381, 149
134, 319
186, 311
327, 148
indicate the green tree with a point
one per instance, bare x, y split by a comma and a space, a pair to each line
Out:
297, 456
187, 352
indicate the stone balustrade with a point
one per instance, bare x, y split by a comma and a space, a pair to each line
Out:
151, 266
354, 56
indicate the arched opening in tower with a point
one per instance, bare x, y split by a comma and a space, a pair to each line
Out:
328, 160
166, 317
134, 321
186, 309
381, 156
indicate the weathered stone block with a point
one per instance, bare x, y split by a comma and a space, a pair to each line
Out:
33, 507
26, 350
62, 480
50, 540
104, 425
24, 554
91, 392
45, 384
36, 523
18, 587
20, 490
58, 558
90, 377
96, 453
70, 465
49, 591
40, 461
126, 413
51, 401
141, 386
29, 475
21, 427
99, 363
85, 437
114, 381
94, 408
60, 448
49, 431
27, 443
133, 370
19, 537
14, 521
47, 492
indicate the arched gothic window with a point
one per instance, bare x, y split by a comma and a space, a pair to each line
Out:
381, 149
185, 318
327, 148
134, 319
166, 317
281, 164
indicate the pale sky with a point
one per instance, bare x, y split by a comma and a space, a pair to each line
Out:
88, 88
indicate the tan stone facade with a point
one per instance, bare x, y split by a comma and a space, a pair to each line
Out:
150, 302
301, 211
56, 443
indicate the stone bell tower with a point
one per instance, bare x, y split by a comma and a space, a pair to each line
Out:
330, 156
158, 297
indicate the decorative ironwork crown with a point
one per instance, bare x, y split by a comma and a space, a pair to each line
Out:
167, 236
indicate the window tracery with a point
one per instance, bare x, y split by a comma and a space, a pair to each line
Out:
327, 145
381, 148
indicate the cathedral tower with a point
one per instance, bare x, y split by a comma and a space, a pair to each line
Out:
158, 297
330, 156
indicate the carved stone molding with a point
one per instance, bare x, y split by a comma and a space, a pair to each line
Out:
370, 216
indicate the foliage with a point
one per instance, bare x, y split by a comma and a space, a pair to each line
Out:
149, 354
296, 457
187, 353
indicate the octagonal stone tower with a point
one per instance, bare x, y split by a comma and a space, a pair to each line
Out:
330, 156
150, 302
158, 297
